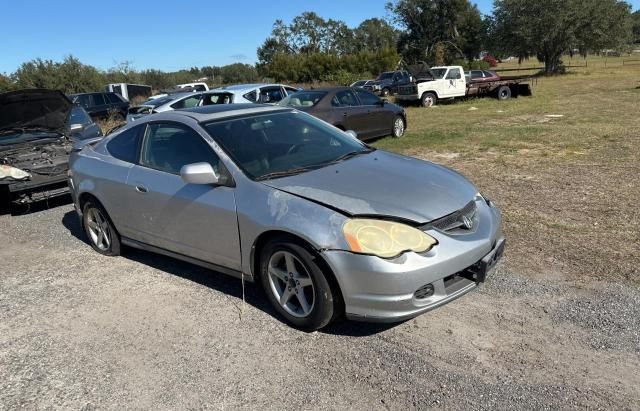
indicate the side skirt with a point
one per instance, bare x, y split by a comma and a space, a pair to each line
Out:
214, 267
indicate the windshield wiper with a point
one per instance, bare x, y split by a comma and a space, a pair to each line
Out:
284, 173
352, 154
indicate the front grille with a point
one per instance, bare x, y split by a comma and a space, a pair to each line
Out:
462, 221
407, 90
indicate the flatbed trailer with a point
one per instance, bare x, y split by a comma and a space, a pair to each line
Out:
502, 89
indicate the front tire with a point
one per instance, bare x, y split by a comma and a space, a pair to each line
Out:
99, 229
296, 285
399, 127
385, 92
428, 99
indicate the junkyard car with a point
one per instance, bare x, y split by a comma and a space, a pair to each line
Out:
102, 105
325, 223
81, 126
351, 109
34, 147
254, 93
170, 102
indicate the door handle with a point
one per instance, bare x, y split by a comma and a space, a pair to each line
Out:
344, 114
141, 189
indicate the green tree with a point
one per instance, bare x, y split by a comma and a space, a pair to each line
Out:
548, 29
455, 24
374, 34
635, 18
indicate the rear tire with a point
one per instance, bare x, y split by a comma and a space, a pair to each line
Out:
99, 229
428, 99
504, 93
296, 285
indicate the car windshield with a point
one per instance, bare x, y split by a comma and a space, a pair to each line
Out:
275, 145
385, 76
438, 73
79, 116
302, 99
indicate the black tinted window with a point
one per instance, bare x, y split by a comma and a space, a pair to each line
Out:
366, 98
83, 100
476, 74
113, 98
98, 99
124, 146
344, 99
169, 146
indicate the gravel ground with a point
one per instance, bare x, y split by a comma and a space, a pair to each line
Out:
83, 331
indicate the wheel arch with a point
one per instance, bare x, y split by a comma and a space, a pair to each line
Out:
271, 235
429, 91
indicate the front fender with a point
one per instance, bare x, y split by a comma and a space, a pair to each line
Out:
263, 209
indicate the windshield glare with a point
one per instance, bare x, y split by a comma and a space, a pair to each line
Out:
438, 73
281, 142
302, 99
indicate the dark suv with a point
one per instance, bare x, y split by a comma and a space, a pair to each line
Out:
387, 83
100, 105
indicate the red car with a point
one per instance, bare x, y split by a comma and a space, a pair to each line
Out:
476, 76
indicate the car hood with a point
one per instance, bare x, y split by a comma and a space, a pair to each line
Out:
35, 108
383, 184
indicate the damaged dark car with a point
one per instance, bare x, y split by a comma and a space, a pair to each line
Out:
34, 147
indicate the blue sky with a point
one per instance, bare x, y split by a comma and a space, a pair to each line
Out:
167, 35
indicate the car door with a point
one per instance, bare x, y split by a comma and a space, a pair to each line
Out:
455, 85
379, 119
348, 112
196, 220
99, 106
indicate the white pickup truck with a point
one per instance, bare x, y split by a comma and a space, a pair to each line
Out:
449, 82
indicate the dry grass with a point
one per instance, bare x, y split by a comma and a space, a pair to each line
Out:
567, 185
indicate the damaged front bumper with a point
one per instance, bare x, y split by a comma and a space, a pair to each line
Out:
39, 188
382, 290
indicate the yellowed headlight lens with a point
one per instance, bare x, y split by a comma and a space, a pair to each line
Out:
384, 238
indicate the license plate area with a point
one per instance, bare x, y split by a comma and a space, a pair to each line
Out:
479, 271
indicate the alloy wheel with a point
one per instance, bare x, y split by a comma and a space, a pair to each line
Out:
398, 127
98, 227
291, 284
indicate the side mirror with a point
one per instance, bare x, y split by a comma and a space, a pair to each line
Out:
199, 173
352, 133
76, 128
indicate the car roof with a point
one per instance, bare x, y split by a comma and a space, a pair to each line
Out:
242, 87
219, 111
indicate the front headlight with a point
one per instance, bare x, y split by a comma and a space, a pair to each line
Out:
385, 239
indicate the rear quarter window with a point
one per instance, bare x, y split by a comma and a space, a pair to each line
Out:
125, 145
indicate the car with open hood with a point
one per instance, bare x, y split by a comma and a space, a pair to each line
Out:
34, 146
326, 224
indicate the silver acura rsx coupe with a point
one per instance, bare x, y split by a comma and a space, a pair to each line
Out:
328, 225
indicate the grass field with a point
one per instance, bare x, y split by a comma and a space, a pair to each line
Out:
563, 166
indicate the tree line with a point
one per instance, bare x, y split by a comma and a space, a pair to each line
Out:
311, 48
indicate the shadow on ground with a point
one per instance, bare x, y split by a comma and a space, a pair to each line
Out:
254, 295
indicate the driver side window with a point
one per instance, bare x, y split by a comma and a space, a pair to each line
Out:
169, 146
454, 74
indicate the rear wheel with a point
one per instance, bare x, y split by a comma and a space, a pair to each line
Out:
428, 99
102, 236
296, 285
504, 93
398, 127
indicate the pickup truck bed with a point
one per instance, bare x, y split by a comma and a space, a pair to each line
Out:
503, 89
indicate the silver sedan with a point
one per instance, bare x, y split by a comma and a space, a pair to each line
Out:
326, 224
